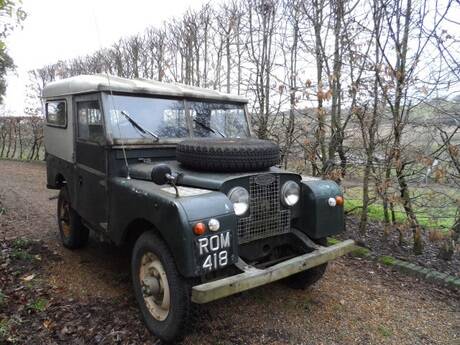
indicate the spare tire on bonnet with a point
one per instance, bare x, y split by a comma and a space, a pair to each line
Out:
228, 154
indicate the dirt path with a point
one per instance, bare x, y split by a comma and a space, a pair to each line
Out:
30, 213
357, 302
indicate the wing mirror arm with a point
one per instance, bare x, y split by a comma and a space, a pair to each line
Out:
173, 179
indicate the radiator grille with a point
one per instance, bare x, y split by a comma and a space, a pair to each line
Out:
266, 216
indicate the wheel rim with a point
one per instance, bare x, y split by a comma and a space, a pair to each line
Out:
64, 218
155, 287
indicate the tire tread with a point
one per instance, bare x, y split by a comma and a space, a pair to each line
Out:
178, 323
228, 155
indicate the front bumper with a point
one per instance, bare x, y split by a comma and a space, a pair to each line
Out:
253, 277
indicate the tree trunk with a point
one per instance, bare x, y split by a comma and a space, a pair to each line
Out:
227, 48
369, 130
32, 151
238, 52
409, 210
20, 140
10, 139
288, 140
336, 84
3, 144
320, 111
385, 204
37, 152
363, 220
456, 227
13, 155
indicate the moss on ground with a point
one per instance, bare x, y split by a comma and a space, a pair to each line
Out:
361, 252
387, 260
332, 240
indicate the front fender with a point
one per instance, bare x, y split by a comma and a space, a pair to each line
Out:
318, 219
173, 217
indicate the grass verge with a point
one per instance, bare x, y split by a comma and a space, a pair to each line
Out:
444, 220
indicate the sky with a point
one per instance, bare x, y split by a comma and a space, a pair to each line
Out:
61, 29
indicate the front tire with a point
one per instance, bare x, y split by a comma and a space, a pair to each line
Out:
73, 233
305, 279
162, 293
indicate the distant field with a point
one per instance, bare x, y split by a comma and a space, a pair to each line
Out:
434, 205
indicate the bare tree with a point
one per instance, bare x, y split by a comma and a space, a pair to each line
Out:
262, 19
403, 23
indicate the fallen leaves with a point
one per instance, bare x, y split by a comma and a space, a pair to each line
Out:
28, 278
48, 324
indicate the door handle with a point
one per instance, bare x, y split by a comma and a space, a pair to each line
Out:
80, 180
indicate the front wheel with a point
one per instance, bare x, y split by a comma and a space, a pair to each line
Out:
162, 293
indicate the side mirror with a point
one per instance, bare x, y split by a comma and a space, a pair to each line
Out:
160, 174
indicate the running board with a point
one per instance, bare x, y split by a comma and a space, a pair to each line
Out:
253, 277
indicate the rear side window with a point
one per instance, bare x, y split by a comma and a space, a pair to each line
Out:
90, 121
56, 113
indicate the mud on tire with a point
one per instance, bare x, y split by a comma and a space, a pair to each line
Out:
235, 154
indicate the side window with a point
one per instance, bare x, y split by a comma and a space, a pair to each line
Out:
56, 113
90, 121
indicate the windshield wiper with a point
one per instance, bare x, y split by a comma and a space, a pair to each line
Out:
213, 130
138, 126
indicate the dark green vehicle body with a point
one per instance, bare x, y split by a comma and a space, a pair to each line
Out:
139, 202
111, 188
135, 199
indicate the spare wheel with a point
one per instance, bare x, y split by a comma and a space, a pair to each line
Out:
228, 154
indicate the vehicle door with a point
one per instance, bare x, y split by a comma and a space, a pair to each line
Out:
91, 161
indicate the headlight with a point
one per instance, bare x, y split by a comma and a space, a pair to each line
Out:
290, 193
240, 199
213, 224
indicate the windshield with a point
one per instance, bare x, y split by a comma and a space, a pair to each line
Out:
218, 120
168, 118
164, 117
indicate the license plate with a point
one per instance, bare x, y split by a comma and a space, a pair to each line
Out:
214, 251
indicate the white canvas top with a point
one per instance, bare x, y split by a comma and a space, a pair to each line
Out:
99, 82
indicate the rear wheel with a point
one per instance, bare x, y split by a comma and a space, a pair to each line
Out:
71, 230
305, 279
162, 293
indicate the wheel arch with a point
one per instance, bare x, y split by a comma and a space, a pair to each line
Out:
136, 207
180, 249
136, 228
